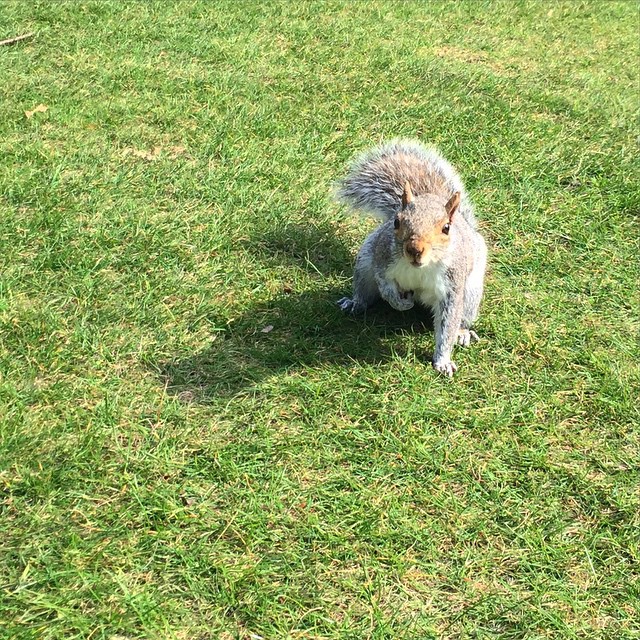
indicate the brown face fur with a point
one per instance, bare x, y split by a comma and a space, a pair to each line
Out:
423, 226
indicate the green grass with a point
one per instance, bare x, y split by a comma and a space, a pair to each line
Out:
168, 470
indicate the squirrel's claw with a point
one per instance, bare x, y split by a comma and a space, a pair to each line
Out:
348, 305
448, 367
466, 337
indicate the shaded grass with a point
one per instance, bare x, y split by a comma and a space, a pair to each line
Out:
168, 470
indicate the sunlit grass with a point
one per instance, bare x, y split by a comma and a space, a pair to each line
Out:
170, 470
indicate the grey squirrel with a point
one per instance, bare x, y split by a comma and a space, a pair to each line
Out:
427, 250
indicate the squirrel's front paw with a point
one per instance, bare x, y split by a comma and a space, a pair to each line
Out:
403, 301
448, 367
466, 337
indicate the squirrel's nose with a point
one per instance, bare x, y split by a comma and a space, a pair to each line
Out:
414, 251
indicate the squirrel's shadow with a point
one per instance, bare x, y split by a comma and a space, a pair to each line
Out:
293, 331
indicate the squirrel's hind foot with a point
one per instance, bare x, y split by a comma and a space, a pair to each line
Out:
467, 337
350, 306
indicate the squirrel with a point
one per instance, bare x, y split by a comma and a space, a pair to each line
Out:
427, 250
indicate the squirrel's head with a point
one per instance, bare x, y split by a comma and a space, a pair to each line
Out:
422, 225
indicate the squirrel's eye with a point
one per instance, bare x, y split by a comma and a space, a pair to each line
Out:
396, 224
445, 229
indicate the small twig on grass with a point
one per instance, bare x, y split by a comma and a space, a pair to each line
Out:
16, 39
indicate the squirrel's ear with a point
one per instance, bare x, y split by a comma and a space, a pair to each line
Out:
452, 206
407, 196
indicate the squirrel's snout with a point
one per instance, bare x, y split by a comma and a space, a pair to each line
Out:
414, 251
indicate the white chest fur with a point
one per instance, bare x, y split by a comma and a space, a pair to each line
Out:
428, 283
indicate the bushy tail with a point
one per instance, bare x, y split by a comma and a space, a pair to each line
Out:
376, 179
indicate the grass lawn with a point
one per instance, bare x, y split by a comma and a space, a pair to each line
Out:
170, 470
